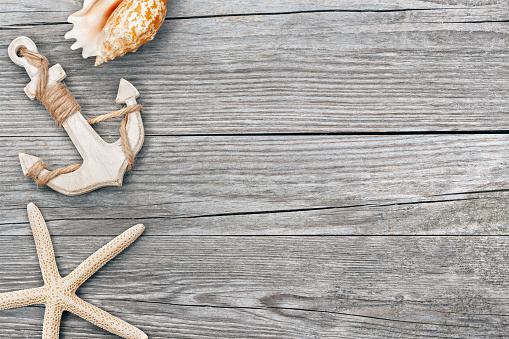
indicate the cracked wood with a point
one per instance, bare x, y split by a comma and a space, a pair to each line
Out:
425, 67
287, 287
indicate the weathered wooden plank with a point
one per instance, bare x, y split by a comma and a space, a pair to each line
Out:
355, 71
25, 12
285, 287
431, 184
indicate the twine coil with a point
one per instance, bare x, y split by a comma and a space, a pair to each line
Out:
61, 105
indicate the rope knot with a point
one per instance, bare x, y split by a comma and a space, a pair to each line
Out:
56, 98
35, 171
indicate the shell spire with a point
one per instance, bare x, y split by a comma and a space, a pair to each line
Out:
111, 28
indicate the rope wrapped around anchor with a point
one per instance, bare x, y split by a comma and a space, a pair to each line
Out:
61, 104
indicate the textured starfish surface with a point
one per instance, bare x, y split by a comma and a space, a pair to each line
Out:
59, 294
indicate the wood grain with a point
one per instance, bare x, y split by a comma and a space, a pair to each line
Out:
264, 185
287, 287
312, 169
438, 69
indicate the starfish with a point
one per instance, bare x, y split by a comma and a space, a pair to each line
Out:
59, 294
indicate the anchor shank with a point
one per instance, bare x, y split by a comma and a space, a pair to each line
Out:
83, 136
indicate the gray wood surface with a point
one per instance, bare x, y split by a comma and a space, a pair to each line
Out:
312, 169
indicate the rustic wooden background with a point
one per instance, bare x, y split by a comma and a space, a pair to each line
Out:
312, 169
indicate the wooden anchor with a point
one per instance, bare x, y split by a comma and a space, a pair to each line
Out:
104, 164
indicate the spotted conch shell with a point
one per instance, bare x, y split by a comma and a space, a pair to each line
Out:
111, 28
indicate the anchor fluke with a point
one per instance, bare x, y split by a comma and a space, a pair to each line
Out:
27, 161
126, 92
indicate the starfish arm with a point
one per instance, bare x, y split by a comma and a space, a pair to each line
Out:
102, 318
44, 246
22, 298
97, 260
52, 317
